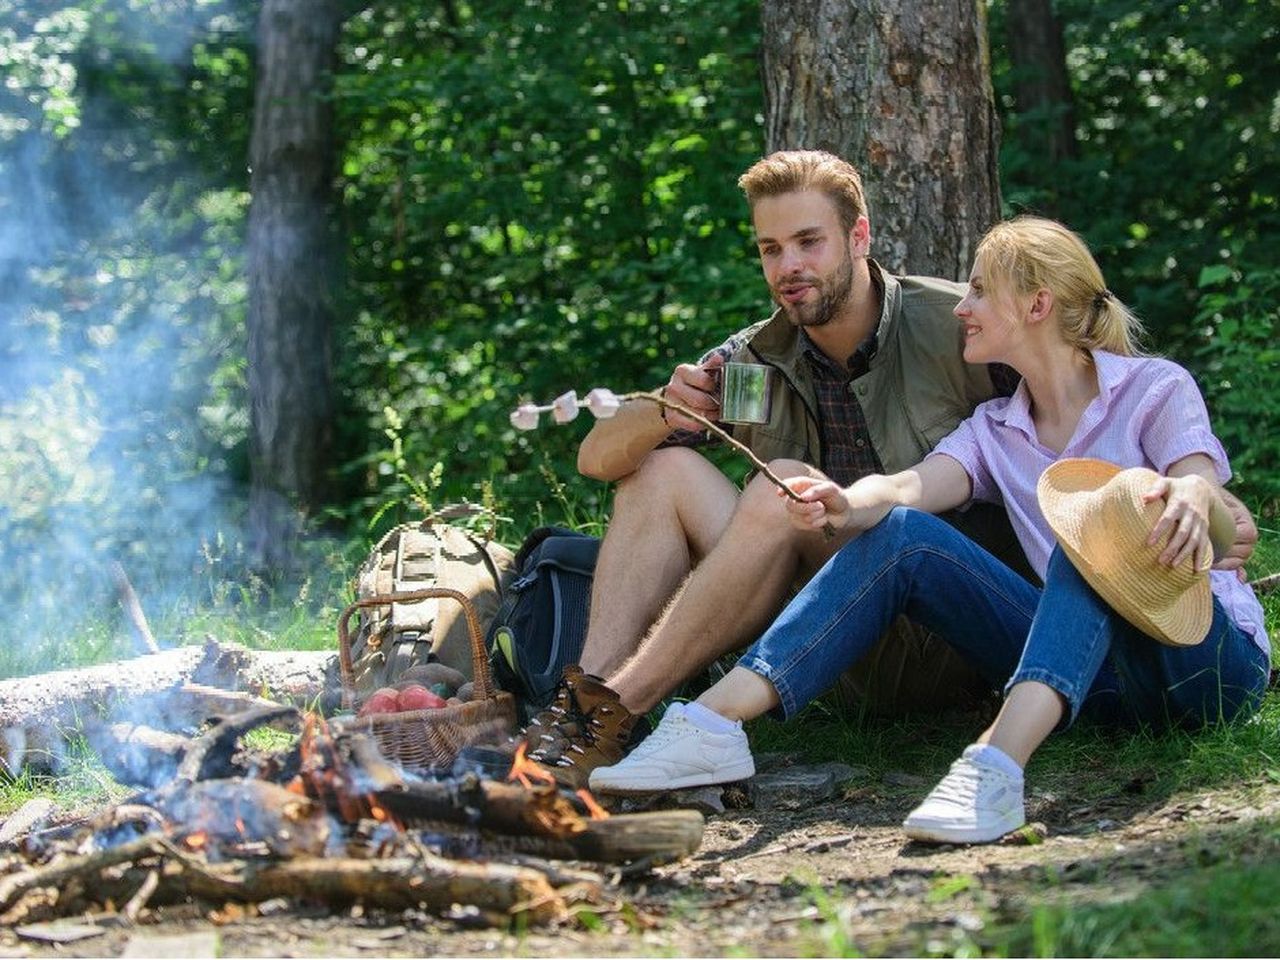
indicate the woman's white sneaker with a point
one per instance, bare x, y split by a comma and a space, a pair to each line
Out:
678, 754
974, 803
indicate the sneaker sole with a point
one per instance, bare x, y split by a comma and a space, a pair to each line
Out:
741, 771
940, 834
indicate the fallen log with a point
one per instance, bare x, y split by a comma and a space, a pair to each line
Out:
399, 883
396, 883
37, 713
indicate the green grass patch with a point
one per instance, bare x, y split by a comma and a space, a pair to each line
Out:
1225, 908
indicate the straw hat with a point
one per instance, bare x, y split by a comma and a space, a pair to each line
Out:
1096, 511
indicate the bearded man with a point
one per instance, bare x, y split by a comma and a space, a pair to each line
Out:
867, 376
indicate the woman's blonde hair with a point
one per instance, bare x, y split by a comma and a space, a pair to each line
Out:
1027, 254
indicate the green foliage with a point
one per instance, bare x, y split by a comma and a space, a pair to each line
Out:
535, 204
1177, 188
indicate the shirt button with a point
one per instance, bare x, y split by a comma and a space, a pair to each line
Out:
859, 443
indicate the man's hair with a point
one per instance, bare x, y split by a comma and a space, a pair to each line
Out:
788, 171
1027, 254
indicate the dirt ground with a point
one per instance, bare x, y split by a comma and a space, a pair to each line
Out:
834, 876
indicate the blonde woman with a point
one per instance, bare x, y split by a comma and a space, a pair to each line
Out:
1036, 301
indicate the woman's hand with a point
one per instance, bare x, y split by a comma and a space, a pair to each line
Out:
859, 506
822, 502
1185, 520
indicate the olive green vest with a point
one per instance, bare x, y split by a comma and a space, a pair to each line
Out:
915, 392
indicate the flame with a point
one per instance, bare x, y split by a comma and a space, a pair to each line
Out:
597, 812
196, 841
524, 770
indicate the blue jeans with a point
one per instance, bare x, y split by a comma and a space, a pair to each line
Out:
1063, 635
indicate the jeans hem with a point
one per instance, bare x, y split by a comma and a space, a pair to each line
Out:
1065, 688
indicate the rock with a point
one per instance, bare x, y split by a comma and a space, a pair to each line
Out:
193, 945
706, 800
844, 774
899, 778
793, 788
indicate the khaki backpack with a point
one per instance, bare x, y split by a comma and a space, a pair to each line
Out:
415, 556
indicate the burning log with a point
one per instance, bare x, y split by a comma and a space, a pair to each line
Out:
226, 814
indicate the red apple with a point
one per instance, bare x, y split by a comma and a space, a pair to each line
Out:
417, 697
380, 701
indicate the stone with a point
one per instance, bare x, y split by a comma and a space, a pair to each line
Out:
792, 788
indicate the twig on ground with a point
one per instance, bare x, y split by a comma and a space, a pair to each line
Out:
1267, 584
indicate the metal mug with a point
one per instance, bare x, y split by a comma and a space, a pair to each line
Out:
746, 393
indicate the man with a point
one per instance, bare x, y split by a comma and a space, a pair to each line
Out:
868, 377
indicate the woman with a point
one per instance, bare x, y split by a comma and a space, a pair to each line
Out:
1036, 301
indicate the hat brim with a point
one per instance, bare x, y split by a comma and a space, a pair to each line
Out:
1182, 623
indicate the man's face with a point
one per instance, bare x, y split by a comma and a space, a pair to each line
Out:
806, 255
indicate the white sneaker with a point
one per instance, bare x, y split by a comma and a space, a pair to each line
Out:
974, 803
676, 755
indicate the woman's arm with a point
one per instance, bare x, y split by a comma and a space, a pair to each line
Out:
934, 485
1196, 520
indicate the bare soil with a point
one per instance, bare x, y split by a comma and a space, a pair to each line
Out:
835, 876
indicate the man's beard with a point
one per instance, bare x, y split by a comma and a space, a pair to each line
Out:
833, 294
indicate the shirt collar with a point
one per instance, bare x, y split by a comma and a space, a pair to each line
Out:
1110, 368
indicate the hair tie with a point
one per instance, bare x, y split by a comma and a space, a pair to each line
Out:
1101, 297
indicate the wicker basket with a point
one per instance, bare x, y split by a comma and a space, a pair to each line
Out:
421, 740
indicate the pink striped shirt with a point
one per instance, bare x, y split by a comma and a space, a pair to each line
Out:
1148, 413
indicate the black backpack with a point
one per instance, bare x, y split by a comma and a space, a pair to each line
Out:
541, 624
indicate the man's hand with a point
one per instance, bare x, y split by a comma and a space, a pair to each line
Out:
698, 388
1246, 538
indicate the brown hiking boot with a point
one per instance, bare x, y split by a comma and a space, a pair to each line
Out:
585, 726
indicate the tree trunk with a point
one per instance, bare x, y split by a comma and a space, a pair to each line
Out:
903, 91
1042, 88
291, 265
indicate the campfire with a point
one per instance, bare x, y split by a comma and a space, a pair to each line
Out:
327, 818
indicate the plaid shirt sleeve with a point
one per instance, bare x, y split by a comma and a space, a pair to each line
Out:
703, 438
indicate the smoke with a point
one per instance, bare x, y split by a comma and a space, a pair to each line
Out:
121, 316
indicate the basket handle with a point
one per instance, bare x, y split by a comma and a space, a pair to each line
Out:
483, 683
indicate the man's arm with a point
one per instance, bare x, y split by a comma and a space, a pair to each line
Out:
615, 447
1246, 537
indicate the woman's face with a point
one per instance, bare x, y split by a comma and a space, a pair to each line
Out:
990, 319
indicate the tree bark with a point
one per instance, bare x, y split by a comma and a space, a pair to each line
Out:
903, 91
291, 267
1042, 88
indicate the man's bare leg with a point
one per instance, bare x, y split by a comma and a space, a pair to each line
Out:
729, 598
667, 516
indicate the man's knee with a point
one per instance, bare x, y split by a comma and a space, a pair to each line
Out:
760, 503
661, 475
